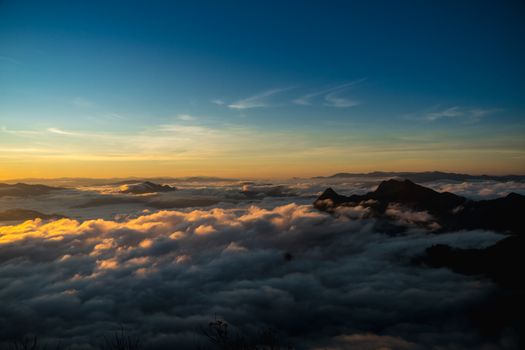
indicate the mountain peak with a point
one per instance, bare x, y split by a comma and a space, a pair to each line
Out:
408, 192
145, 187
329, 193
515, 196
395, 185
441, 205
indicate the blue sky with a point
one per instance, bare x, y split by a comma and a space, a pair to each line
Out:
427, 85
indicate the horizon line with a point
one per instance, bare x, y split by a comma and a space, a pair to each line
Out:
171, 177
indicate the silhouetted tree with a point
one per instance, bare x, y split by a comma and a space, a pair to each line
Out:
28, 342
220, 336
121, 340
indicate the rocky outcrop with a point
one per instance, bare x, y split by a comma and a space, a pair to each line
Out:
451, 211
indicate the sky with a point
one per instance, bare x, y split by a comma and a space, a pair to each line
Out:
261, 88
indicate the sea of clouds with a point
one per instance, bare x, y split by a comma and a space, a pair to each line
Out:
257, 255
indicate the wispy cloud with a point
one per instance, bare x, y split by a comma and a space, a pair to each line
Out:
19, 132
451, 112
480, 112
61, 132
99, 113
332, 96
10, 60
114, 116
179, 129
82, 102
185, 117
470, 115
256, 101
334, 99
218, 102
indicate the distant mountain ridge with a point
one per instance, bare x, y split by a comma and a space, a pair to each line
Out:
25, 190
25, 214
451, 211
425, 176
145, 187
84, 181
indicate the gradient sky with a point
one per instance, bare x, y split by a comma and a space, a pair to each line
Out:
260, 88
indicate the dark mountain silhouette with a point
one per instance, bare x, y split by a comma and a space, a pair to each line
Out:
80, 181
416, 196
25, 214
170, 180
501, 214
265, 190
424, 176
329, 198
146, 187
451, 211
397, 191
25, 190
111, 200
502, 262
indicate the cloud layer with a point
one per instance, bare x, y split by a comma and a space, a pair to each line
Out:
343, 284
